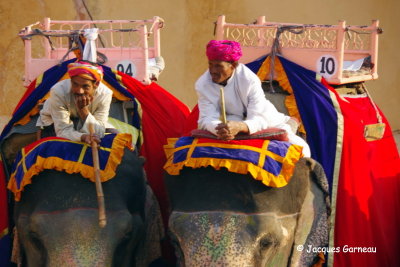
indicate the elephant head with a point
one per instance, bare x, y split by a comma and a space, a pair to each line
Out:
57, 218
226, 219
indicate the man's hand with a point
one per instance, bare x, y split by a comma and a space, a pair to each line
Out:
87, 138
228, 131
82, 102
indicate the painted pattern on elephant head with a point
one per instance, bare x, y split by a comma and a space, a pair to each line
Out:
232, 239
220, 218
72, 238
57, 218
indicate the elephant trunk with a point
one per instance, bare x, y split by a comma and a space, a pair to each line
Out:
84, 255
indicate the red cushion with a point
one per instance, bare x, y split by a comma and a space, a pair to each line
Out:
267, 134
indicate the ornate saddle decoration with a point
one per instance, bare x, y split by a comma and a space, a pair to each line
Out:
64, 155
270, 161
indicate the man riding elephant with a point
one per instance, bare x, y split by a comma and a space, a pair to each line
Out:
247, 110
75, 103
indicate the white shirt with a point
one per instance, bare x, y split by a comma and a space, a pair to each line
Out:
244, 101
60, 107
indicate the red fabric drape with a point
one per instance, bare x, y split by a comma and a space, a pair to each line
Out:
368, 202
5, 243
191, 122
28, 91
163, 117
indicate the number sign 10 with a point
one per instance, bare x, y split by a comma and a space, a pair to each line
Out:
326, 66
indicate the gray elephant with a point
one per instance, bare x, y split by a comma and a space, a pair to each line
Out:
57, 219
220, 218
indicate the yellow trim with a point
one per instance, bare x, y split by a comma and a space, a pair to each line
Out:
83, 151
65, 77
33, 112
106, 148
119, 78
27, 118
4, 233
169, 148
228, 146
191, 148
237, 166
39, 80
116, 93
116, 153
282, 79
336, 172
263, 154
23, 160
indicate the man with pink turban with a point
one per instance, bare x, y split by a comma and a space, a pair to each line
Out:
247, 109
75, 103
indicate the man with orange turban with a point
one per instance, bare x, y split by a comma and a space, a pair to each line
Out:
76, 102
247, 109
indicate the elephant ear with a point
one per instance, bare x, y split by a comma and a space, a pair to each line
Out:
312, 231
150, 248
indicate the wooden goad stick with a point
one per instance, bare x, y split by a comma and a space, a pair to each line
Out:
223, 112
99, 188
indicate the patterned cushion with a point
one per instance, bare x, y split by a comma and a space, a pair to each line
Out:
267, 134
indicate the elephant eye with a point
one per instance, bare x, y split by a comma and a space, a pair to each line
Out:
177, 247
126, 237
36, 241
121, 250
265, 243
268, 242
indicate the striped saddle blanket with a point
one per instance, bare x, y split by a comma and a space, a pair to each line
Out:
65, 155
270, 161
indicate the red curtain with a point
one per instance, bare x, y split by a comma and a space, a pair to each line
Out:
163, 117
368, 202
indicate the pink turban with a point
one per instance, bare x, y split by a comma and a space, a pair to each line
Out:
224, 50
85, 69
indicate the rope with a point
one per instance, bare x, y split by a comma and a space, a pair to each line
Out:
40, 33
348, 30
275, 49
74, 38
378, 116
91, 18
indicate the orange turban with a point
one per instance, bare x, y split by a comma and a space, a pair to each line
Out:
85, 69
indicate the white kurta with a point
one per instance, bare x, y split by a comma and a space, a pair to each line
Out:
244, 101
60, 107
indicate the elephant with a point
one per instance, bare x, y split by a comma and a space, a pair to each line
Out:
219, 218
57, 219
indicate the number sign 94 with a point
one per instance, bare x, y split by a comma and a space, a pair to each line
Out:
127, 67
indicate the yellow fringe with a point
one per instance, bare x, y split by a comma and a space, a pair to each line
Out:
169, 148
282, 79
116, 94
53, 163
237, 166
35, 110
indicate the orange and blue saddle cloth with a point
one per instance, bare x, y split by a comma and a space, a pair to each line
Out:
65, 155
270, 161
